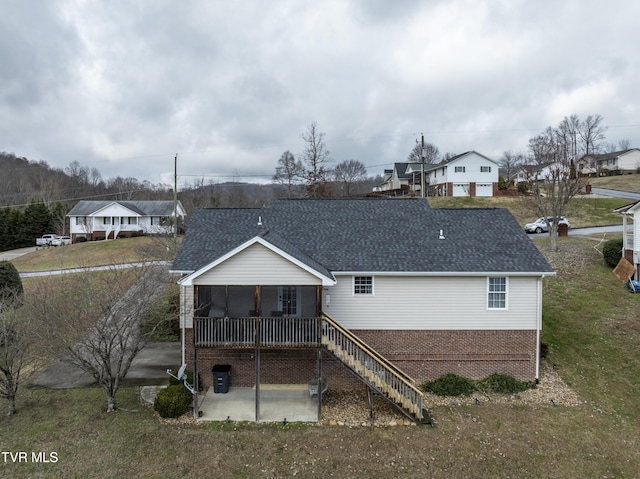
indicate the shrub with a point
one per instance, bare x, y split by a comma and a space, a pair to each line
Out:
450, 385
523, 187
172, 401
81, 239
612, 252
10, 282
503, 384
134, 234
544, 350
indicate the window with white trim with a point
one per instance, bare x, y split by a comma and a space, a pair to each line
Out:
460, 169
485, 169
496, 293
363, 285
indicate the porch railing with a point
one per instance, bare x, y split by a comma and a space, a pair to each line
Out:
253, 332
374, 369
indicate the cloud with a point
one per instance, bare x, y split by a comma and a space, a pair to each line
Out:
229, 86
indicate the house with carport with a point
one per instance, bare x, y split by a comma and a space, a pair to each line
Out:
385, 292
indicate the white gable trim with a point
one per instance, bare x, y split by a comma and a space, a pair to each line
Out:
96, 213
326, 281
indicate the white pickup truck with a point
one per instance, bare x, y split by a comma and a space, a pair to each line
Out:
46, 240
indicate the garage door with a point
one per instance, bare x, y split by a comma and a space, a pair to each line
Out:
461, 189
484, 189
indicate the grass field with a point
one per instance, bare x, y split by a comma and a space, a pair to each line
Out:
589, 321
621, 182
95, 253
581, 211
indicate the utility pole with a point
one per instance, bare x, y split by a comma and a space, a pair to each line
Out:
175, 202
422, 195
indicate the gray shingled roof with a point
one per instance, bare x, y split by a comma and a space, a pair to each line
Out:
368, 235
144, 208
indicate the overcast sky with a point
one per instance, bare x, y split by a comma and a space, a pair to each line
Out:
124, 85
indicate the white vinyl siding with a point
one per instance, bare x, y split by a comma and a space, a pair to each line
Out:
186, 306
257, 265
423, 303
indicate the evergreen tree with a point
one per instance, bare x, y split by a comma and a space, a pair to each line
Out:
37, 220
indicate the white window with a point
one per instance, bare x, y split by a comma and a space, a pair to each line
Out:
460, 169
496, 293
485, 169
363, 285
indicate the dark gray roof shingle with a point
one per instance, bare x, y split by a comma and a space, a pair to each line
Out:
368, 235
144, 208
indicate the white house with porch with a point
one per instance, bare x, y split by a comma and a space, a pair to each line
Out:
109, 219
311, 290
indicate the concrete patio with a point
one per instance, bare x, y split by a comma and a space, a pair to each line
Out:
277, 402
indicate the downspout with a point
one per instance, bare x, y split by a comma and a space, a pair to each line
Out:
538, 327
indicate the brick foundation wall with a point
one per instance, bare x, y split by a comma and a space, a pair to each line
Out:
423, 355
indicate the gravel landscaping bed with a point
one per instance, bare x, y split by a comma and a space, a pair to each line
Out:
352, 408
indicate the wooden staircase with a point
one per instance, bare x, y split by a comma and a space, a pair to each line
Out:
379, 374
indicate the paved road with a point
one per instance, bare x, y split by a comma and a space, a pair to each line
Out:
617, 193
9, 255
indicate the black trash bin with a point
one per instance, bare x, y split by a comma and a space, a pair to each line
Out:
221, 378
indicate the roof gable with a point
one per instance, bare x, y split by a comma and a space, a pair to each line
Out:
326, 279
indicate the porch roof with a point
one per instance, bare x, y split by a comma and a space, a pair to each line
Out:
373, 235
142, 208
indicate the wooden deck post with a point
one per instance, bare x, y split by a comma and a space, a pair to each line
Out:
256, 333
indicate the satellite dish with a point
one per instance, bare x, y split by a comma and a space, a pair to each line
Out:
182, 377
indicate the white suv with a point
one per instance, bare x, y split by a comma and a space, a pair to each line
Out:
540, 226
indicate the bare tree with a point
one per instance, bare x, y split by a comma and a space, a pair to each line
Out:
349, 172
289, 173
624, 144
592, 134
431, 154
315, 158
19, 358
94, 320
510, 162
553, 181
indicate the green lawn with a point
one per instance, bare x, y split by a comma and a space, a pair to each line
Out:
621, 182
581, 211
95, 253
589, 321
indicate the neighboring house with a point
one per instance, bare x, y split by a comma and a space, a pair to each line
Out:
617, 162
396, 181
631, 235
385, 291
110, 219
468, 174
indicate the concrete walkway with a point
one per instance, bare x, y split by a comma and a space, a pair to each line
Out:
149, 367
